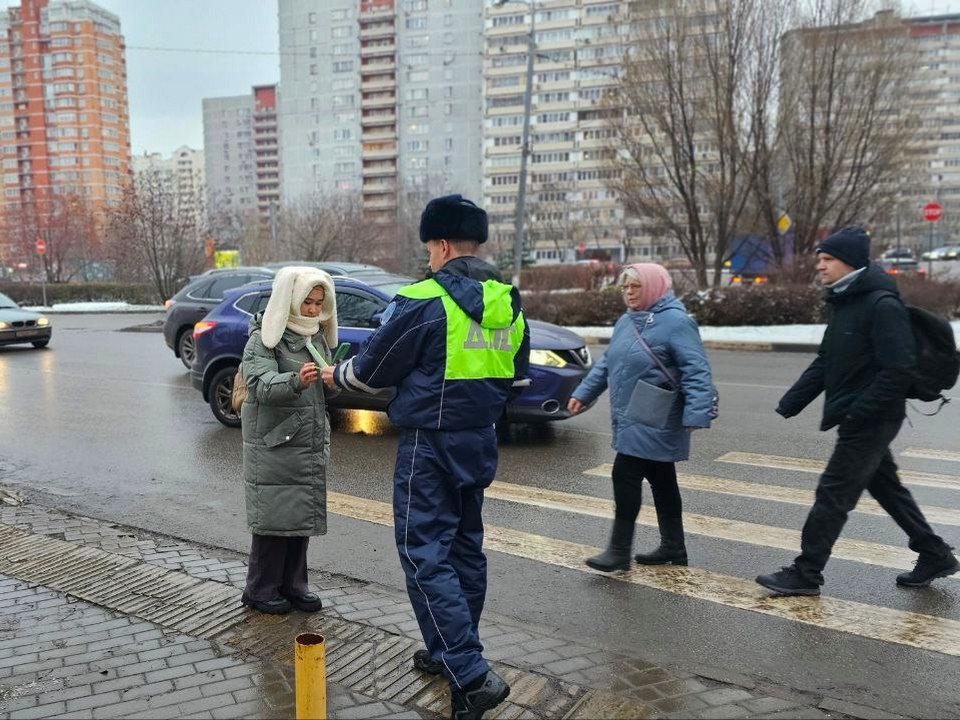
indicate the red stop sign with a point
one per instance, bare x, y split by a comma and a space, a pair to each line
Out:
41, 246
932, 211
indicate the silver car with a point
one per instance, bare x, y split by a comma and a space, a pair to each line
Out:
19, 326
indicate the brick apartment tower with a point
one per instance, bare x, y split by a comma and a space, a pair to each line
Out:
266, 148
378, 109
64, 121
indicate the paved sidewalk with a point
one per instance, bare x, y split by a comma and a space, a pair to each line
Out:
100, 620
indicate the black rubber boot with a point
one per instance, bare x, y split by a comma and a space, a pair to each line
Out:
617, 554
672, 550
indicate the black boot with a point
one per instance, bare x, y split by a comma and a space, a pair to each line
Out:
672, 550
617, 554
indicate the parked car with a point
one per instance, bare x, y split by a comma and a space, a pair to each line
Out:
950, 252
898, 255
199, 296
19, 326
899, 266
558, 357
334, 267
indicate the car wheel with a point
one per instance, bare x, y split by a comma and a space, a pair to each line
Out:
221, 388
186, 347
40, 344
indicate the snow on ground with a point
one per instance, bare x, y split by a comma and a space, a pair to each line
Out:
94, 307
798, 334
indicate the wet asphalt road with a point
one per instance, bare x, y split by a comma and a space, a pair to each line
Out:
106, 423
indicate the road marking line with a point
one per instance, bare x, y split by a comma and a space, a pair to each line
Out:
931, 454
778, 462
737, 531
925, 632
788, 495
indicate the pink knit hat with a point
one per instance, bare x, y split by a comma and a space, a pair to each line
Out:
654, 278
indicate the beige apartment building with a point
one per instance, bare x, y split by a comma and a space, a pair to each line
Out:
64, 122
571, 214
181, 174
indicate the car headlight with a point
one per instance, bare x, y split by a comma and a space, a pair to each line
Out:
42, 322
4, 326
547, 358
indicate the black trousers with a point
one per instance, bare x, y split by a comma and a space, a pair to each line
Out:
278, 566
628, 474
861, 460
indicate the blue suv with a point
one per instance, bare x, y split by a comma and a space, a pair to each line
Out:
558, 357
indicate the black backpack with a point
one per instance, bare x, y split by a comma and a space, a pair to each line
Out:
938, 361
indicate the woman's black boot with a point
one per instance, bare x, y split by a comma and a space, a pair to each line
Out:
672, 550
617, 554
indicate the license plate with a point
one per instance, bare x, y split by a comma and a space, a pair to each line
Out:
27, 333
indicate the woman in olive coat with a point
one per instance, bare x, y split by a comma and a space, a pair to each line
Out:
286, 437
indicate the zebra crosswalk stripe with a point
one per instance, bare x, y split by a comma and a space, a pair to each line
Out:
777, 462
788, 495
917, 630
931, 454
721, 528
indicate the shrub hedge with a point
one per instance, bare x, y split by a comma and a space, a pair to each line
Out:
752, 305
32, 293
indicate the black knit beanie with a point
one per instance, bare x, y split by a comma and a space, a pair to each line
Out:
453, 217
851, 245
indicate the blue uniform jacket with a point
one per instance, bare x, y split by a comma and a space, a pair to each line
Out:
674, 337
408, 351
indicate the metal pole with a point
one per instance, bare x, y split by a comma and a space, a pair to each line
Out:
524, 151
310, 676
930, 255
898, 230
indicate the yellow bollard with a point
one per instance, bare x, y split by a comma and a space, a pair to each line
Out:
310, 663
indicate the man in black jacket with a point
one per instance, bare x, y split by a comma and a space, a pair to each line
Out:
864, 368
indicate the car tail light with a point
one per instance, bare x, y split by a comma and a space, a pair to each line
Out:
201, 327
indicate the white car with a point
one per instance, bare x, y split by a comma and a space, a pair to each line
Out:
19, 326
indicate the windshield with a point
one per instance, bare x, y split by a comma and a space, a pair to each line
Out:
6, 302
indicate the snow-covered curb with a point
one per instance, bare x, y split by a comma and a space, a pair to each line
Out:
95, 307
782, 334
761, 334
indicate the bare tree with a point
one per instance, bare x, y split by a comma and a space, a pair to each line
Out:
682, 114
839, 144
325, 227
156, 237
70, 229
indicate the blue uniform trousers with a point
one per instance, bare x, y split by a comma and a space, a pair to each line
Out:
437, 503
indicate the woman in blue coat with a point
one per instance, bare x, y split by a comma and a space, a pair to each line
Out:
655, 350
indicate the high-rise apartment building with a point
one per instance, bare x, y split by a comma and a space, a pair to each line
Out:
570, 212
241, 150
64, 123
182, 174
382, 98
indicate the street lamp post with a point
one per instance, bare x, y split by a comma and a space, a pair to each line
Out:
525, 143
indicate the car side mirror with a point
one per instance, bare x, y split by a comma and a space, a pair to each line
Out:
376, 319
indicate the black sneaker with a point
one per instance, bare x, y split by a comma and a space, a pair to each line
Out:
788, 581
928, 569
277, 606
471, 704
423, 662
308, 602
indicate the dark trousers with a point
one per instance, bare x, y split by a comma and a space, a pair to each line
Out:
861, 460
628, 475
278, 566
438, 489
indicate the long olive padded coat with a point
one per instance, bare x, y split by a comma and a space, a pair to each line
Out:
286, 438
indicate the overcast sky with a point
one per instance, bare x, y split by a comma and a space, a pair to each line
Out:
166, 87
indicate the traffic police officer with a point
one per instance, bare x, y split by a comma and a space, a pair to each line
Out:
456, 348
